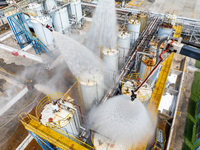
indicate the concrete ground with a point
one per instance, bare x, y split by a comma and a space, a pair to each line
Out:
179, 128
184, 8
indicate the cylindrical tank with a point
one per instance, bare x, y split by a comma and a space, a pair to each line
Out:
92, 90
147, 64
134, 29
142, 17
61, 113
165, 30
171, 19
49, 5
124, 39
131, 82
102, 143
35, 9
44, 34
60, 20
76, 10
110, 59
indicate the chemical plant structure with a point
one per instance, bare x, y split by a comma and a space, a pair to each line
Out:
149, 63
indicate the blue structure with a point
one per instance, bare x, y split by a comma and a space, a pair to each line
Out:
43, 143
16, 21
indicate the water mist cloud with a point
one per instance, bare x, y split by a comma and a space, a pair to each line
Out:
122, 120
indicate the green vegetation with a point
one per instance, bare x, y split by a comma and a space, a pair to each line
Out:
197, 64
190, 128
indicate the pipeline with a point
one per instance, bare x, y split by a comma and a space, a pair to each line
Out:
138, 45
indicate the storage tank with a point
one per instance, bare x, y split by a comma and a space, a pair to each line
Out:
124, 39
110, 59
148, 62
134, 29
76, 10
60, 20
132, 81
102, 143
35, 9
91, 88
49, 5
142, 17
165, 30
171, 18
44, 34
60, 113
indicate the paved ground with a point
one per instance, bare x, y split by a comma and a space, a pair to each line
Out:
179, 128
183, 8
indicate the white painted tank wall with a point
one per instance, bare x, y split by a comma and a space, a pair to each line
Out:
35, 8
72, 127
143, 68
92, 89
134, 29
124, 40
164, 32
110, 59
44, 34
76, 9
49, 5
60, 19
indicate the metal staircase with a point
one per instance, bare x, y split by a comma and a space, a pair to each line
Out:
15, 21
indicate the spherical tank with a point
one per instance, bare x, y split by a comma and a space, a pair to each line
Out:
49, 5
60, 19
42, 32
134, 29
165, 30
35, 9
110, 59
60, 113
124, 39
92, 90
76, 9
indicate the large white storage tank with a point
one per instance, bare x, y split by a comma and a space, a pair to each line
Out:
61, 20
76, 10
110, 60
132, 81
60, 114
165, 30
92, 89
44, 34
49, 5
35, 9
134, 29
124, 39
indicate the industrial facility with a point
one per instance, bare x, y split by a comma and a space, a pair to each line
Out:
99, 75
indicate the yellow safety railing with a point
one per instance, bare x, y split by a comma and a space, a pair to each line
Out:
157, 95
57, 138
178, 30
47, 99
131, 3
